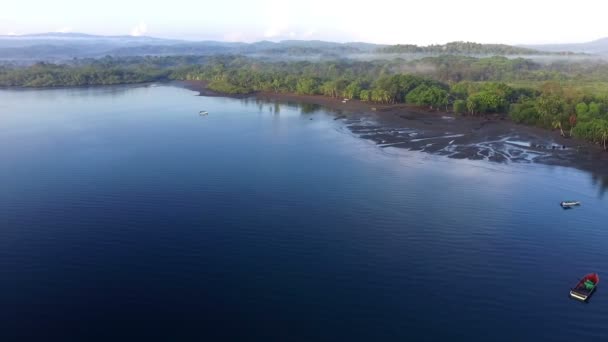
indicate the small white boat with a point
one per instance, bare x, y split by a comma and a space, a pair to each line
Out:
569, 204
203, 112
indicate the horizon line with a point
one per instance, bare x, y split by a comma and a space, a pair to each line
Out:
83, 34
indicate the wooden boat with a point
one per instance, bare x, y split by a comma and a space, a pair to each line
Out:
585, 287
569, 204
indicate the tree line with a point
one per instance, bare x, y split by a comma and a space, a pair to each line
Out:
464, 48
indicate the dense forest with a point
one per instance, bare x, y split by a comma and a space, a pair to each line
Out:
461, 48
551, 95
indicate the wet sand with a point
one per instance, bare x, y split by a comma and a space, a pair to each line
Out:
494, 138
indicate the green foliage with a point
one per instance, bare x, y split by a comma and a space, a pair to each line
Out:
387, 90
381, 96
582, 112
460, 106
353, 90
52, 75
224, 86
487, 101
475, 105
463, 89
549, 105
582, 108
501, 90
450, 68
595, 131
365, 95
307, 86
334, 88
424, 94
595, 109
468, 48
525, 113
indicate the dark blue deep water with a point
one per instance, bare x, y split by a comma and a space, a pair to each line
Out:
124, 215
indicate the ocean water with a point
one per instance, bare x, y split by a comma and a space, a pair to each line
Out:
124, 215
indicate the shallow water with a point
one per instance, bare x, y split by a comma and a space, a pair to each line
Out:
126, 215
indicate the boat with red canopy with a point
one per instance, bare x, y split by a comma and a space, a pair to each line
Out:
585, 287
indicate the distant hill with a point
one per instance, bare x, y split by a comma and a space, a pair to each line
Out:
66, 46
57, 35
463, 48
62, 39
43, 52
596, 47
74, 35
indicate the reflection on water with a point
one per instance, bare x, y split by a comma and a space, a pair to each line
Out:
498, 150
80, 93
601, 181
303, 107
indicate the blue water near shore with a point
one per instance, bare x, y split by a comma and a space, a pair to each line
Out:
124, 215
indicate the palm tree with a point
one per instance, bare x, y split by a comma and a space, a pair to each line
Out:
558, 124
572, 120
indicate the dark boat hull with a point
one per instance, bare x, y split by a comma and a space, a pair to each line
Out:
580, 291
579, 295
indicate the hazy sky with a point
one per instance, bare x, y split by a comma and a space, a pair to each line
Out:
378, 21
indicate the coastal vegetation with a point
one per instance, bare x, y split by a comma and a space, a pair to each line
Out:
550, 95
53, 75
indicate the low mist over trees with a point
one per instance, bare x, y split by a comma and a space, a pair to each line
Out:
461, 48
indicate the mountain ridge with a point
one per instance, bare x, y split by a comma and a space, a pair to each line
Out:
58, 46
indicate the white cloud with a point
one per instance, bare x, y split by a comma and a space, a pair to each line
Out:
65, 29
380, 21
278, 16
277, 29
309, 34
139, 30
237, 36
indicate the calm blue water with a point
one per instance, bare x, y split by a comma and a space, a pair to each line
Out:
126, 216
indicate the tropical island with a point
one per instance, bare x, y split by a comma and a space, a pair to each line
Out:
560, 93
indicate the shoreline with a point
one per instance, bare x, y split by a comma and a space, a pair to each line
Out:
136, 84
493, 137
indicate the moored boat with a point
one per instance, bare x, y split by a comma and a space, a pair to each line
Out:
569, 204
585, 287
